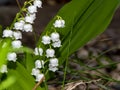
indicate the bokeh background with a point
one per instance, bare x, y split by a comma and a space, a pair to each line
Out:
107, 44
9, 8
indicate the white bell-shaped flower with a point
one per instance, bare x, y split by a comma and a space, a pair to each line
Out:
33, 15
53, 62
55, 36
28, 28
32, 9
38, 3
3, 69
19, 25
35, 71
57, 44
59, 23
62, 23
53, 69
7, 33
16, 44
12, 57
39, 64
38, 51
50, 53
39, 77
46, 40
30, 18
17, 35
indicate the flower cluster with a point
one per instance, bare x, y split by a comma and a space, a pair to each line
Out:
54, 40
36, 72
23, 24
51, 42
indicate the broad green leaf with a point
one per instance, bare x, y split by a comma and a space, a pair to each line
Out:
7, 83
88, 24
5, 45
119, 2
29, 62
15, 86
24, 80
24, 49
85, 19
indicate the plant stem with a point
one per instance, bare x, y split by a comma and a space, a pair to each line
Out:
35, 38
65, 72
66, 64
45, 83
19, 13
37, 85
18, 4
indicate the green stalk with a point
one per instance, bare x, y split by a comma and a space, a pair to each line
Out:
20, 13
66, 63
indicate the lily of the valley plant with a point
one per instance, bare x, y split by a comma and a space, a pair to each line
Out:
75, 24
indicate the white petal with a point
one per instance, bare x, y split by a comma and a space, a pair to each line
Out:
46, 40
32, 9
53, 62
28, 28
17, 35
55, 36
35, 71
19, 25
16, 44
53, 69
39, 77
38, 3
38, 51
30, 18
56, 44
50, 53
39, 64
7, 33
59, 23
12, 57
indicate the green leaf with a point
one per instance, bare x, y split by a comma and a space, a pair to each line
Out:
7, 83
25, 81
85, 19
5, 45
29, 62
24, 49
92, 21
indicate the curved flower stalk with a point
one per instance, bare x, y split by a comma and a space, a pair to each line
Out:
50, 41
21, 24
